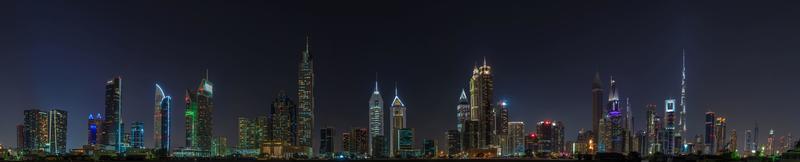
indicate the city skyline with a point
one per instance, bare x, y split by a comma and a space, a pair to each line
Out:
246, 74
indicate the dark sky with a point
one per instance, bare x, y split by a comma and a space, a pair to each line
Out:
742, 58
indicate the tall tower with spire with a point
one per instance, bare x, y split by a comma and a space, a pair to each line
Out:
305, 99
481, 95
597, 105
198, 114
375, 117
682, 122
397, 122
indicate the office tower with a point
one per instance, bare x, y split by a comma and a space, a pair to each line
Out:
405, 143
347, 143
453, 138
379, 147
516, 138
670, 123
721, 133
251, 132
397, 122
481, 91
642, 142
305, 100
615, 133
57, 132
501, 127
630, 135
755, 137
219, 146
20, 136
597, 104
375, 117
770, 143
326, 147
469, 137
36, 130
284, 119
95, 129
199, 108
748, 142
710, 137
137, 135
360, 141
651, 129
463, 110
162, 121
429, 148
112, 127
550, 137
581, 145
682, 118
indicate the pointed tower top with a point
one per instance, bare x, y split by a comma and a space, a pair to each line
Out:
597, 83
376, 84
395, 89
484, 60
463, 96
397, 102
205, 75
308, 46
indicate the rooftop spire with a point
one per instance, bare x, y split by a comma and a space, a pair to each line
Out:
376, 83
205, 75
484, 60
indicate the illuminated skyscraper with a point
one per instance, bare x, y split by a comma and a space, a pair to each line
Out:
652, 131
710, 137
682, 118
137, 135
112, 127
770, 143
748, 142
162, 121
670, 146
463, 110
615, 133
516, 140
95, 131
199, 108
251, 132
597, 105
284, 119
57, 132
501, 127
481, 95
429, 148
375, 118
305, 100
397, 122
550, 137
360, 141
720, 133
347, 142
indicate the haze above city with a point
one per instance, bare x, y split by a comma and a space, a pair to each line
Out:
741, 59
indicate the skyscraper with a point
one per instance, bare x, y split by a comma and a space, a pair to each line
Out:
57, 132
397, 122
453, 139
251, 132
614, 134
199, 108
20, 136
429, 148
670, 123
375, 117
710, 137
112, 127
748, 142
481, 95
95, 132
597, 105
162, 121
501, 127
652, 132
550, 137
720, 133
463, 111
326, 147
682, 118
284, 119
360, 141
137, 135
305, 100
347, 142
516, 138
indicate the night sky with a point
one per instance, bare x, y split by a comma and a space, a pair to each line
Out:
742, 59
